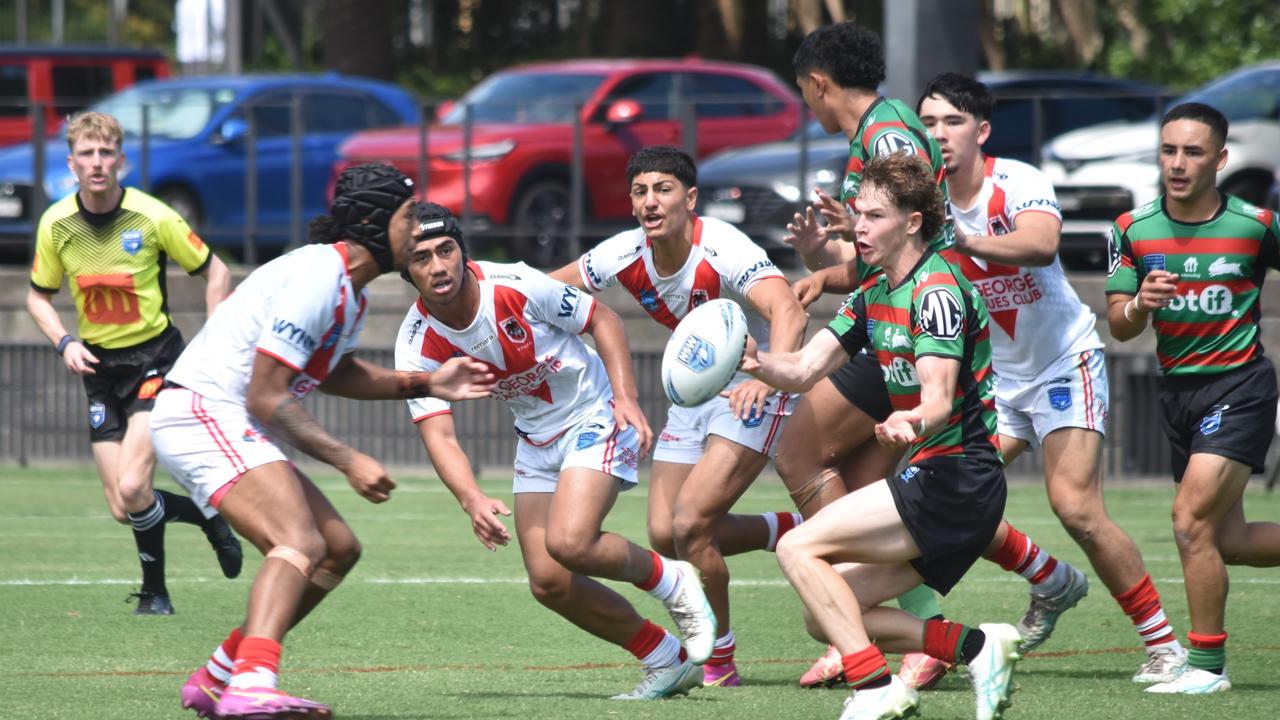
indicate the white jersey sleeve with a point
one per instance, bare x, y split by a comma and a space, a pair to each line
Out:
555, 303
599, 266
739, 260
1026, 189
409, 358
298, 319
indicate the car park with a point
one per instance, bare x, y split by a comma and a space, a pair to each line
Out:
1103, 171
195, 154
759, 188
502, 157
61, 80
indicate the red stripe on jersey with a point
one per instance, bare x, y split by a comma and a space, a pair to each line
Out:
1125, 221
1266, 217
1086, 381
1220, 358
706, 284
889, 313
420, 418
515, 335
435, 347
1235, 285
1200, 329
1196, 246
321, 361
635, 278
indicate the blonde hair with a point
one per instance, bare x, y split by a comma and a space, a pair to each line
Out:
94, 125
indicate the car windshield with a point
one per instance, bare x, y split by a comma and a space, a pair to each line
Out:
525, 98
1247, 96
175, 113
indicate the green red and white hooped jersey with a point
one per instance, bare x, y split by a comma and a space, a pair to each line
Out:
1037, 317
933, 311
723, 263
890, 126
300, 309
527, 331
1211, 326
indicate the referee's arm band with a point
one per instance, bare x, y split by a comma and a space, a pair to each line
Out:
43, 289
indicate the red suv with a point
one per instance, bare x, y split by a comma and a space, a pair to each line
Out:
522, 135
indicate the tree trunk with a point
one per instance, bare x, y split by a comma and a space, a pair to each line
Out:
1127, 15
1081, 23
357, 38
991, 47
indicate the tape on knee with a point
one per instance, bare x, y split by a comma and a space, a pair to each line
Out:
805, 494
324, 579
300, 562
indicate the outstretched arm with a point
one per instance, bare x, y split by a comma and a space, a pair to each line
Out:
451, 464
795, 371
456, 379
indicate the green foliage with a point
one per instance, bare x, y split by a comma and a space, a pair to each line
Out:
431, 625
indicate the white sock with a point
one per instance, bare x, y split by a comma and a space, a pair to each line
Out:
665, 655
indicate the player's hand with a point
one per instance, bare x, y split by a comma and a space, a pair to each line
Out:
963, 245
808, 289
805, 233
837, 216
627, 413
747, 400
1158, 289
369, 478
484, 512
899, 429
78, 359
461, 379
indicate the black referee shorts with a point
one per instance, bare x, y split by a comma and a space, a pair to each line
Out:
126, 381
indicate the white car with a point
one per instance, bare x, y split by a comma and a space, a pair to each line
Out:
1104, 171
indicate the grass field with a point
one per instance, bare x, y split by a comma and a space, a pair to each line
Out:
430, 625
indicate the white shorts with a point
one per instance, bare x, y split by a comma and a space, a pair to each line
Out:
684, 438
207, 444
594, 443
1070, 393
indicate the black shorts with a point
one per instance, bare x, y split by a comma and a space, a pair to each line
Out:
861, 382
127, 381
952, 506
1232, 414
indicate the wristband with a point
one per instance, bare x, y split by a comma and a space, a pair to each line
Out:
64, 342
1129, 307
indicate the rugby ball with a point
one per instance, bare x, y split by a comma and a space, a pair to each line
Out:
703, 353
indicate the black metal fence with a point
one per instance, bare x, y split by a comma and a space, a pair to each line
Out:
43, 417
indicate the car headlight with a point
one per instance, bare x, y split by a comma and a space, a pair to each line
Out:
488, 151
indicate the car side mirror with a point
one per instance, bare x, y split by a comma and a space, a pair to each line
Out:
623, 112
231, 131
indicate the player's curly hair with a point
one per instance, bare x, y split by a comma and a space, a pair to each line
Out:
853, 56
663, 159
907, 181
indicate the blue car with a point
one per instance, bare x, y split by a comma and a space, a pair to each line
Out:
199, 131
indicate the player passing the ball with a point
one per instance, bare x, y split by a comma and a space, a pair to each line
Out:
707, 456
291, 327
581, 434
927, 328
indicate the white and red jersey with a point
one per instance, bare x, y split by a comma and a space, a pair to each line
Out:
723, 263
300, 309
1036, 315
527, 331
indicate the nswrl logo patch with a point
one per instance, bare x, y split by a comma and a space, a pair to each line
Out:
1060, 397
1212, 422
131, 241
97, 415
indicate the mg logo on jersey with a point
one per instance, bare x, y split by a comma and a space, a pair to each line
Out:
1212, 422
1221, 267
1213, 300
696, 354
940, 314
894, 142
131, 241
901, 372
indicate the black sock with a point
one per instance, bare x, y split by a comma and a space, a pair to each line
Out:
878, 682
148, 535
973, 643
180, 508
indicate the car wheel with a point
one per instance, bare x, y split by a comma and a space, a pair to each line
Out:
184, 203
542, 224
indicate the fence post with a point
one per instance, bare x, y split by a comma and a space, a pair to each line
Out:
576, 172
295, 171
425, 115
250, 188
689, 128
144, 163
468, 120
39, 201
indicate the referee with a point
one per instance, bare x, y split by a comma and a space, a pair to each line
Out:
113, 245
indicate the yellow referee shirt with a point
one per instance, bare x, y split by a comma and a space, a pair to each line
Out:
115, 263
